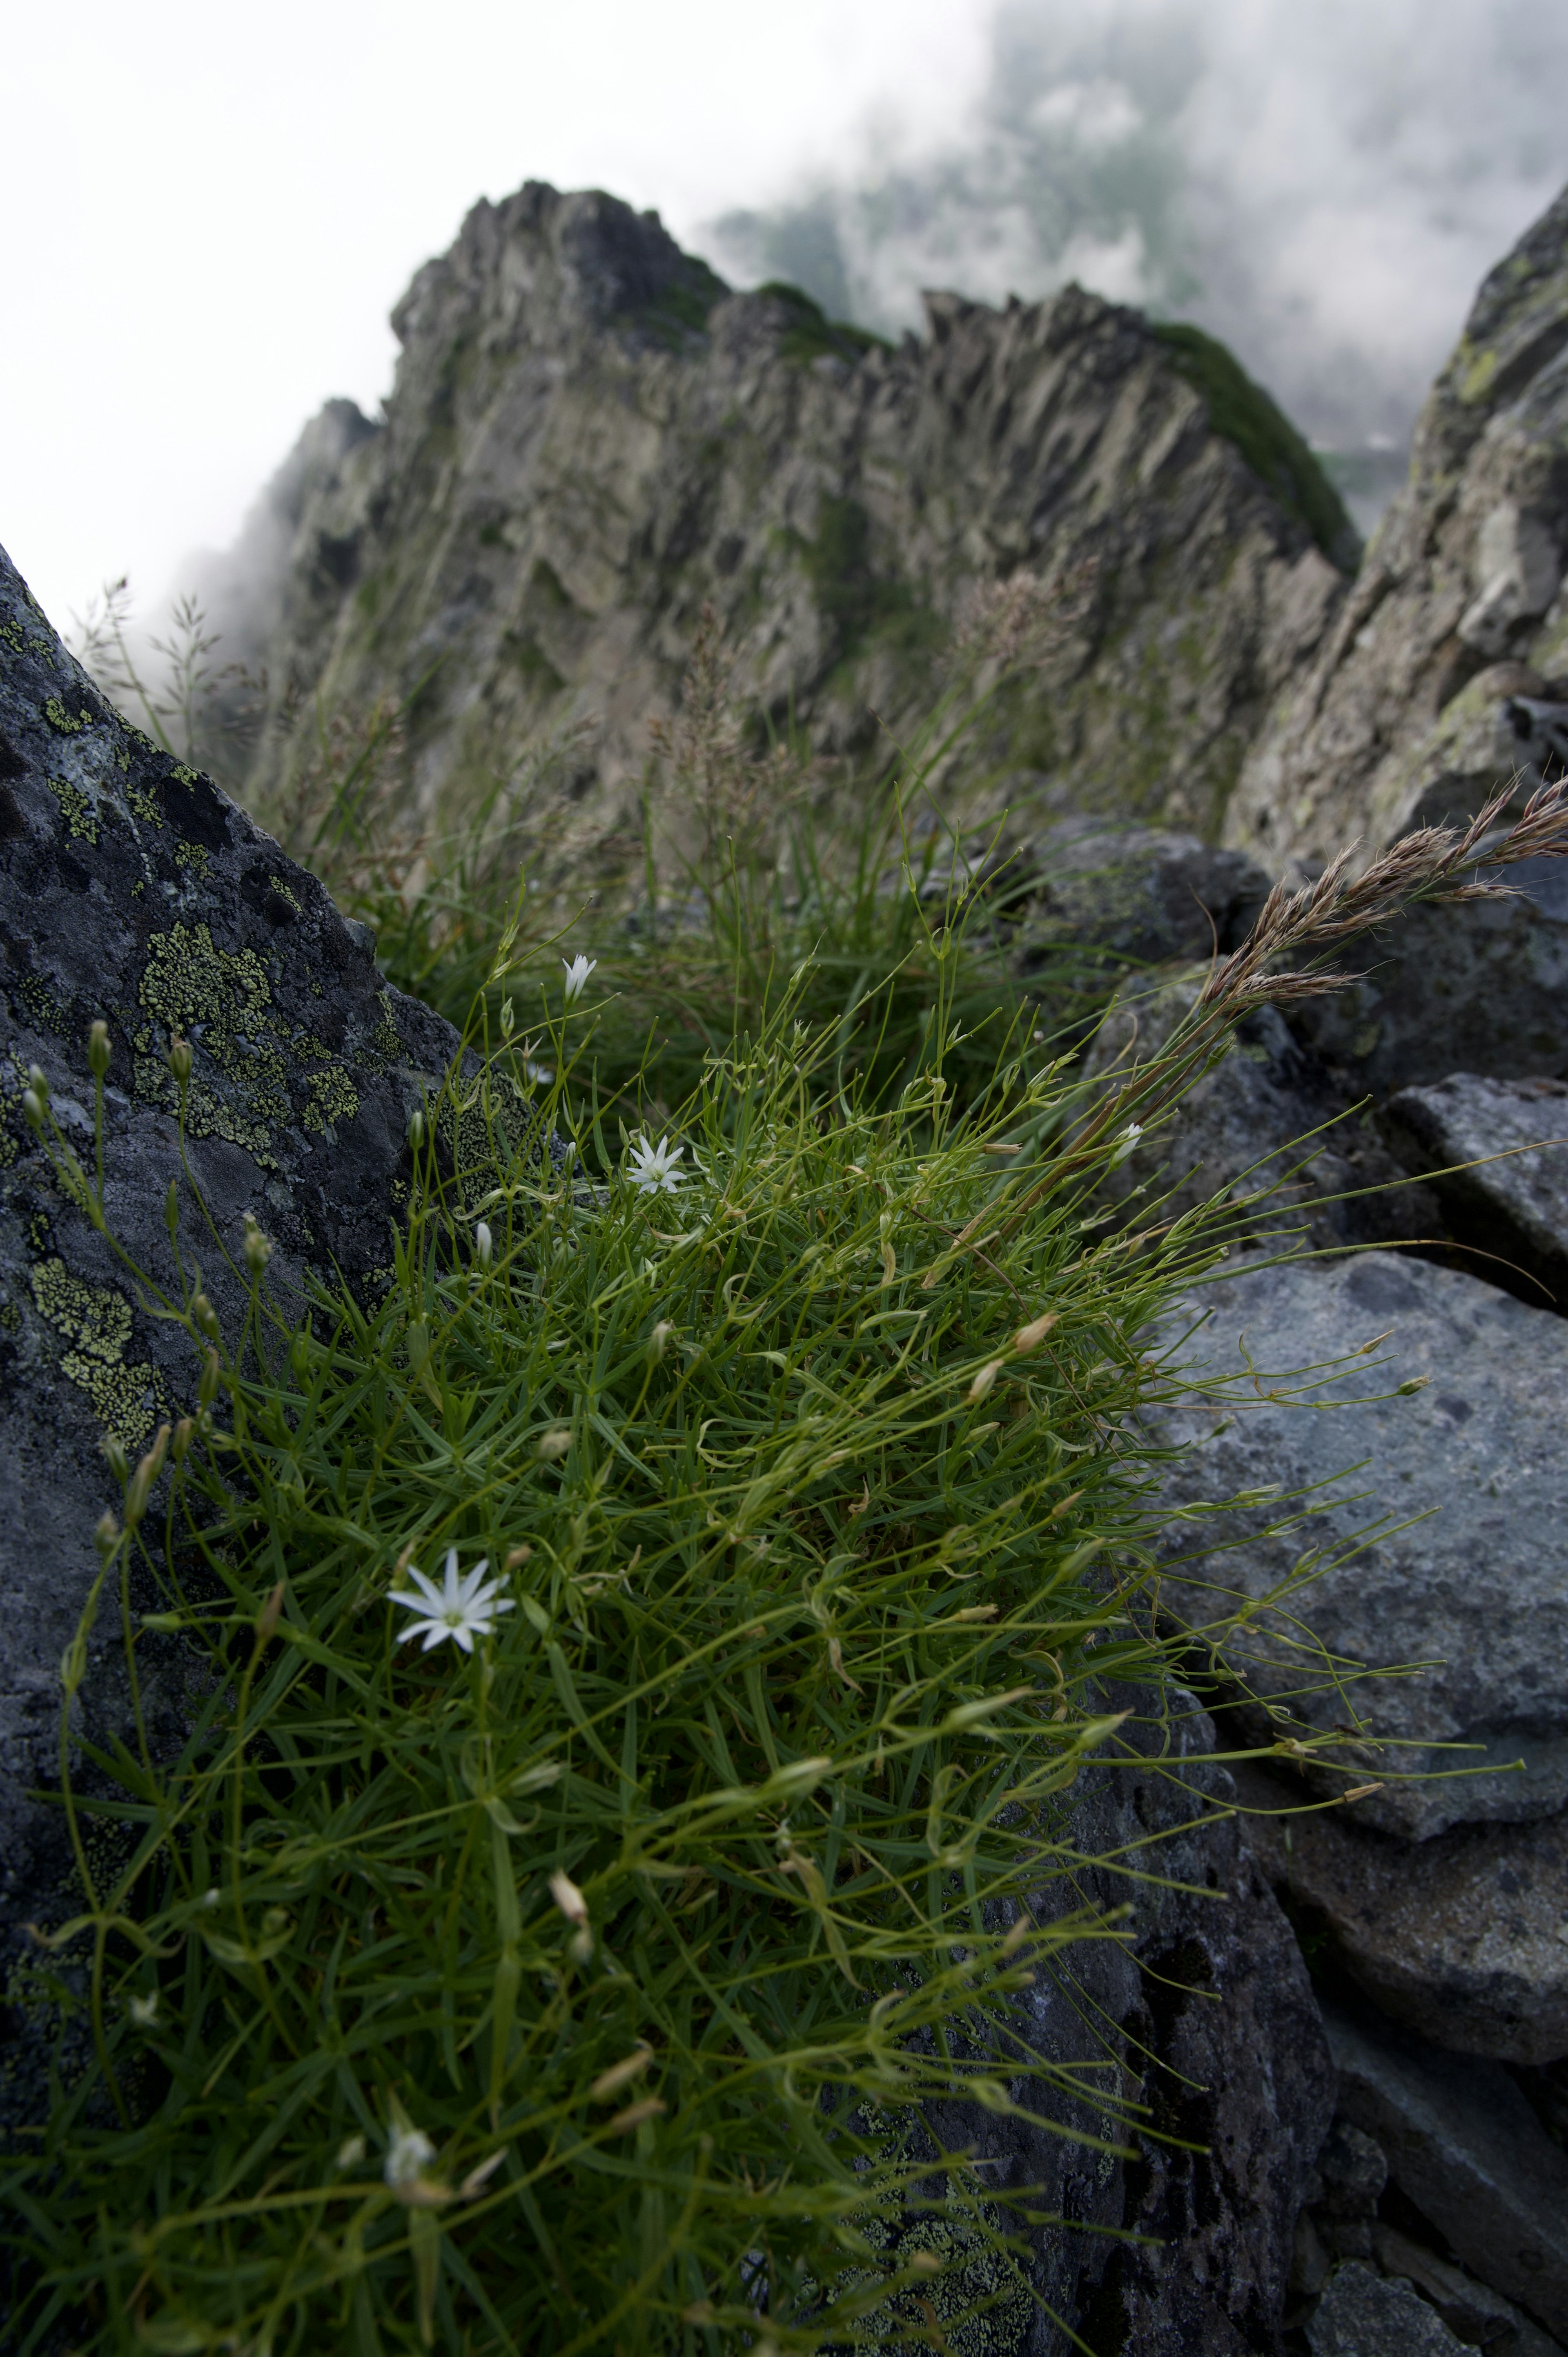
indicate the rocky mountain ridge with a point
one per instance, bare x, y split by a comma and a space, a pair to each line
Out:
590, 437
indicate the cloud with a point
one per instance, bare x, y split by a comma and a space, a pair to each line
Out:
1322, 185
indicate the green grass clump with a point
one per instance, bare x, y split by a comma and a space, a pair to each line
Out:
1269, 444
821, 1574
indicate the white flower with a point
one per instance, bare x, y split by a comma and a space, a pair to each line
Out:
145, 2011
577, 971
352, 2152
652, 1167
408, 2150
1133, 1132
540, 1074
484, 1244
464, 1610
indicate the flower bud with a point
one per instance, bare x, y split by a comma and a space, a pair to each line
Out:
33, 1106
179, 1059
106, 1537
257, 1248
114, 1457
484, 1244
268, 1619
98, 1049
38, 1080
1030, 1337
184, 1434
206, 1390
569, 1899
142, 1480
509, 1018
203, 1315
984, 1380
658, 1341
416, 1130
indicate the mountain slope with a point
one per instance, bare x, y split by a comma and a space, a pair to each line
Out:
590, 437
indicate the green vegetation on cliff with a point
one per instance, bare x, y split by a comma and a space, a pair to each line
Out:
1269, 444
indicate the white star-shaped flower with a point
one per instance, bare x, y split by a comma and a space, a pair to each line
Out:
462, 1610
652, 1168
578, 969
408, 2150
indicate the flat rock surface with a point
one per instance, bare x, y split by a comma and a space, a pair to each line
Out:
131, 889
1511, 1200
1439, 1533
1465, 2146
1463, 1937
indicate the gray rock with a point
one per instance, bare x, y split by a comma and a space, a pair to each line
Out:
1144, 896
1465, 2146
1511, 1204
1479, 987
834, 500
1463, 1937
1265, 1119
1436, 1535
1471, 2309
1204, 2009
1407, 711
131, 888
1362, 2314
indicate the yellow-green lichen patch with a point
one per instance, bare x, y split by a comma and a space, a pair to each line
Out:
207, 1114
188, 983
144, 805
10, 1317
40, 1004
281, 889
95, 1323
311, 1051
191, 856
186, 777
58, 717
331, 1097
76, 809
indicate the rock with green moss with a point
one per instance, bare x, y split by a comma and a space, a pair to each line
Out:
1445, 673
131, 889
590, 438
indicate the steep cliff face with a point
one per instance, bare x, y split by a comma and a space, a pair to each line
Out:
590, 436
1445, 671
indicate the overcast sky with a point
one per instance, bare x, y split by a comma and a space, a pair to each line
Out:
212, 210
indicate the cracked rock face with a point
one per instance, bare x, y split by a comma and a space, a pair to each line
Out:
590, 436
1445, 671
131, 889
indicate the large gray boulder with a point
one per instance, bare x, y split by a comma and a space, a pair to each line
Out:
1140, 895
1474, 986
1435, 1524
1265, 1120
1363, 2315
1445, 671
131, 889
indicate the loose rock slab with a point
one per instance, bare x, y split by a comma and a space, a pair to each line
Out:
1363, 2315
131, 888
1466, 2148
1442, 1517
1463, 1937
1512, 1201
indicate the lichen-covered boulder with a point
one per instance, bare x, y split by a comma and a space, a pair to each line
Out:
131, 889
